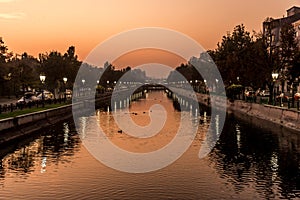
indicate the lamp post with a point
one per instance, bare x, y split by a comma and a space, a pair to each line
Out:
65, 79
294, 87
217, 81
43, 78
239, 91
97, 87
107, 82
83, 81
274, 77
9, 78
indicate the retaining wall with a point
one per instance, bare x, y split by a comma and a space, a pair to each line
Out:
281, 116
16, 127
259, 113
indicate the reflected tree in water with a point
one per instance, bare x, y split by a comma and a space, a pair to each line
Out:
56, 145
246, 154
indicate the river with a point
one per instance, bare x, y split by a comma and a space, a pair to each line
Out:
246, 163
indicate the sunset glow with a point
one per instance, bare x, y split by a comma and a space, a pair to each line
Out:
42, 26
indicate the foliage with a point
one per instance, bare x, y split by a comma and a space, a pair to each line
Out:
295, 69
249, 59
237, 56
57, 66
242, 58
17, 73
288, 45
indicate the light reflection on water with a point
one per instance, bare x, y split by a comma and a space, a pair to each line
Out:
246, 163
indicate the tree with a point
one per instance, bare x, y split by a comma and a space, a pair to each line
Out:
52, 65
241, 55
56, 66
261, 68
72, 65
24, 73
295, 69
288, 45
4, 71
3, 51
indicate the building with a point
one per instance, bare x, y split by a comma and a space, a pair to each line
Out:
272, 27
271, 31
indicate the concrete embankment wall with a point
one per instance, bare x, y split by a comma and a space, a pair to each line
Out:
15, 127
266, 113
261, 115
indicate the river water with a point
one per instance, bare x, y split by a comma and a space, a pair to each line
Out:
246, 163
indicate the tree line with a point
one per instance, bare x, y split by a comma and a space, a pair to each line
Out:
243, 58
250, 59
21, 73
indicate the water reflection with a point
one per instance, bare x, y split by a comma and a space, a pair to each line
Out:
53, 145
246, 157
246, 163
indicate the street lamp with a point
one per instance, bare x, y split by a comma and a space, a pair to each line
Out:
65, 79
83, 81
274, 77
294, 87
9, 78
43, 78
205, 86
217, 80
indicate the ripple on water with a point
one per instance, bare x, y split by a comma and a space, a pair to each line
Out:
246, 163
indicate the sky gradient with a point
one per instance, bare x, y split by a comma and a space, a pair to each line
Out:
42, 26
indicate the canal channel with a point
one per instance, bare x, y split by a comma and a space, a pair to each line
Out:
246, 162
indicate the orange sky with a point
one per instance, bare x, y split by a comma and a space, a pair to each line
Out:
148, 56
41, 26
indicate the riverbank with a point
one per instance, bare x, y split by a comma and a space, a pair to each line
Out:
15, 127
24, 111
254, 112
283, 117
260, 113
